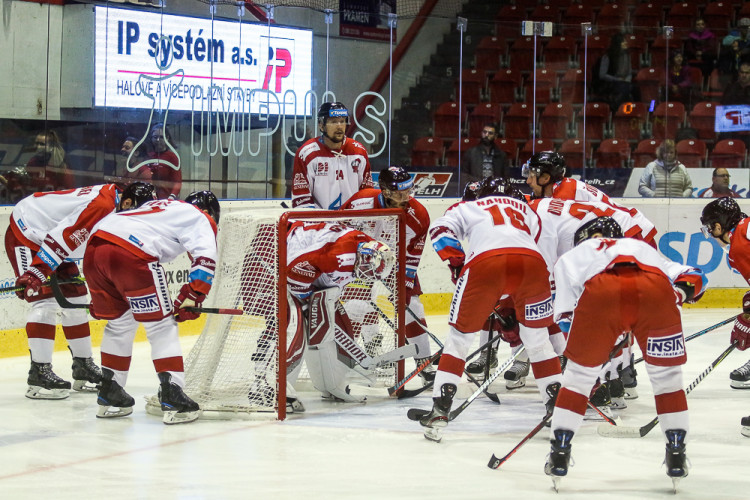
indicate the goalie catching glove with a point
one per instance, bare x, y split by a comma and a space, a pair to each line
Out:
187, 298
32, 280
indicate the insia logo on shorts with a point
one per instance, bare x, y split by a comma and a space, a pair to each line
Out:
539, 310
666, 347
144, 304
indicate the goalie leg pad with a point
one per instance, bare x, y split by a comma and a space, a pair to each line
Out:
327, 363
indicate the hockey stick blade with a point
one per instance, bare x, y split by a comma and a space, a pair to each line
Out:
393, 389
631, 432
490, 395
702, 332
410, 393
417, 414
495, 462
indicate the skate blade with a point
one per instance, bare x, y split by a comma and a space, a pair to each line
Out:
619, 404
108, 412
434, 433
36, 392
593, 415
556, 483
736, 384
745, 431
631, 393
675, 482
515, 384
294, 405
180, 417
85, 386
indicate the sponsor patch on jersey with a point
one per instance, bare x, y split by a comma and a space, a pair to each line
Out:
307, 150
666, 347
304, 269
321, 169
144, 304
539, 310
135, 240
20, 224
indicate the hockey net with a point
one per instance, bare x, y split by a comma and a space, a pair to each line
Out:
240, 363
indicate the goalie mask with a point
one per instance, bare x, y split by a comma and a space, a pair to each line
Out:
606, 226
206, 201
374, 261
724, 211
138, 193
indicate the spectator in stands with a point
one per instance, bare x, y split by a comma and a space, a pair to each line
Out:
701, 49
485, 159
47, 168
665, 177
738, 92
681, 87
166, 175
735, 48
132, 156
719, 186
613, 74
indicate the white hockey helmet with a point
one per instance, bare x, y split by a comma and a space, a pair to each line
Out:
374, 261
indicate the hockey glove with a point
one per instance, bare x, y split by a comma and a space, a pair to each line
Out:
32, 281
746, 303
456, 265
508, 326
187, 298
741, 332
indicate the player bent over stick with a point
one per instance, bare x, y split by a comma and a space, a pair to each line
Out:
322, 259
723, 220
613, 285
396, 192
128, 285
505, 262
45, 229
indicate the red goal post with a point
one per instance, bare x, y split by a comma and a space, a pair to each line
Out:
239, 364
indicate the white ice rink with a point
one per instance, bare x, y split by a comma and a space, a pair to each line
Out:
58, 449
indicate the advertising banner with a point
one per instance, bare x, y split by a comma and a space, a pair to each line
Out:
366, 19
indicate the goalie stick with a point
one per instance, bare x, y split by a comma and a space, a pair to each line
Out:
63, 301
634, 432
702, 332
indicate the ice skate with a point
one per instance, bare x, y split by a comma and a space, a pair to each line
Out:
45, 384
603, 401
86, 375
675, 459
617, 394
558, 459
477, 367
515, 376
740, 378
428, 373
629, 382
111, 394
745, 422
178, 408
345, 396
438, 418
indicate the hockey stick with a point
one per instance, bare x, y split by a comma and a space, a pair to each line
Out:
702, 332
71, 281
497, 462
634, 432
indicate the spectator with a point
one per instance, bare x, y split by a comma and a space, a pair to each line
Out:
681, 87
133, 157
738, 93
719, 186
665, 177
735, 48
166, 175
485, 159
47, 167
613, 74
701, 48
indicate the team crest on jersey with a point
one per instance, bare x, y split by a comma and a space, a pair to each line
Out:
79, 236
144, 304
666, 347
539, 310
304, 269
299, 181
356, 164
321, 169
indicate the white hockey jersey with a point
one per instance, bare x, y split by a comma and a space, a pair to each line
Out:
591, 257
59, 223
162, 230
326, 178
562, 218
488, 224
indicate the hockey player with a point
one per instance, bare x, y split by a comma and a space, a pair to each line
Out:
608, 286
329, 169
128, 286
322, 259
396, 186
724, 220
46, 231
501, 231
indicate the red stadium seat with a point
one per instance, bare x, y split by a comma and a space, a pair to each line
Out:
490, 52
612, 153
546, 81
572, 87
505, 86
575, 15
573, 151
667, 118
729, 153
702, 118
519, 121
650, 81
597, 116
483, 114
532, 147
682, 16
637, 48
447, 120
719, 16
590, 49
560, 53
658, 50
456, 148
647, 15
545, 12
691, 152
510, 147
611, 18
472, 85
427, 152
509, 18
629, 122
645, 152
556, 120
522, 53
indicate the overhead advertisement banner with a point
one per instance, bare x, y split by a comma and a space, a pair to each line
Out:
150, 60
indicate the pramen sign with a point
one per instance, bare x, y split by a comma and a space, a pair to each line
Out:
158, 61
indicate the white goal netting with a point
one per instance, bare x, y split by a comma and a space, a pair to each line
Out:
237, 363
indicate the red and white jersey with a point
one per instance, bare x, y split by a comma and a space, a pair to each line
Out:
57, 224
574, 268
326, 178
562, 218
320, 255
739, 248
417, 223
491, 225
573, 189
162, 230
